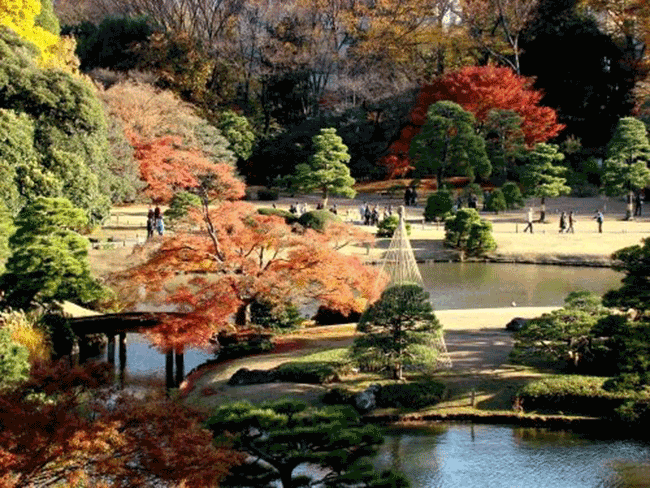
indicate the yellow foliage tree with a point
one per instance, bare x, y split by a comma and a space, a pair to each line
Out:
54, 51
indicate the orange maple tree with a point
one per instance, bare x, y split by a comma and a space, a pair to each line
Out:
227, 255
79, 436
478, 89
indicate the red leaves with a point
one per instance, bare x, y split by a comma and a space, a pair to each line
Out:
74, 435
214, 274
167, 167
478, 89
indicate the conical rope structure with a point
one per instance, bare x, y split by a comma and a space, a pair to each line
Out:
400, 265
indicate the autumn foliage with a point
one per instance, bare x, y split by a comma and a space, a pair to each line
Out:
237, 256
166, 166
56, 429
478, 89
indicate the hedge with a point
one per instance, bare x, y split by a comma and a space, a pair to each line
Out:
288, 217
574, 394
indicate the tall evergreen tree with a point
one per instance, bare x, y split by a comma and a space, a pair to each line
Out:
448, 144
584, 74
626, 167
49, 259
327, 169
542, 175
398, 329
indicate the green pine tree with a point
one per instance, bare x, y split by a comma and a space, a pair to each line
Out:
398, 329
49, 259
282, 435
327, 169
467, 233
626, 167
542, 175
448, 143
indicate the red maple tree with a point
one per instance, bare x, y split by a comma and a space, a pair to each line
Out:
57, 428
478, 89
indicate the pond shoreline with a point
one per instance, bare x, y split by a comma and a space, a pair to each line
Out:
492, 418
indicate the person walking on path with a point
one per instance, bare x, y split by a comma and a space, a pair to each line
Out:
562, 222
151, 223
571, 220
599, 218
529, 220
160, 225
638, 204
407, 196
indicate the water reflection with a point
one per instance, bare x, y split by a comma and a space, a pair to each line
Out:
145, 365
467, 456
488, 285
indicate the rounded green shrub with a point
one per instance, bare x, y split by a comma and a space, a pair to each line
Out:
512, 194
317, 219
268, 194
497, 202
282, 317
181, 202
388, 226
439, 205
288, 217
14, 360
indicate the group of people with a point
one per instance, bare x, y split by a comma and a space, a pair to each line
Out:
410, 197
298, 208
566, 221
155, 222
370, 216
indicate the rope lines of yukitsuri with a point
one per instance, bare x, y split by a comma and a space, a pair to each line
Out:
400, 265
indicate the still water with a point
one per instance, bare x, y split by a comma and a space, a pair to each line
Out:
485, 456
489, 285
451, 286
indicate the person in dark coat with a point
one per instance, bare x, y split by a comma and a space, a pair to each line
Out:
414, 197
151, 223
562, 222
407, 196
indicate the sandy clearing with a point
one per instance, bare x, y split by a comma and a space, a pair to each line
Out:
476, 340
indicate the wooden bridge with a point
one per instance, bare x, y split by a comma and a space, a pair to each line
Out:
118, 324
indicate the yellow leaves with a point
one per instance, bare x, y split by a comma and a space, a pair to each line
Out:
24, 332
55, 52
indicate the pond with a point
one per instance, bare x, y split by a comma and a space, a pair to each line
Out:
454, 286
477, 456
451, 286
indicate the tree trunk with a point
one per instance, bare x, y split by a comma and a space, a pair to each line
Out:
542, 210
285, 478
629, 214
243, 315
398, 372
325, 198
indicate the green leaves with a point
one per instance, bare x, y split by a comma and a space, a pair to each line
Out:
469, 234
49, 260
542, 175
282, 435
448, 142
628, 154
14, 360
327, 169
395, 328
634, 261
